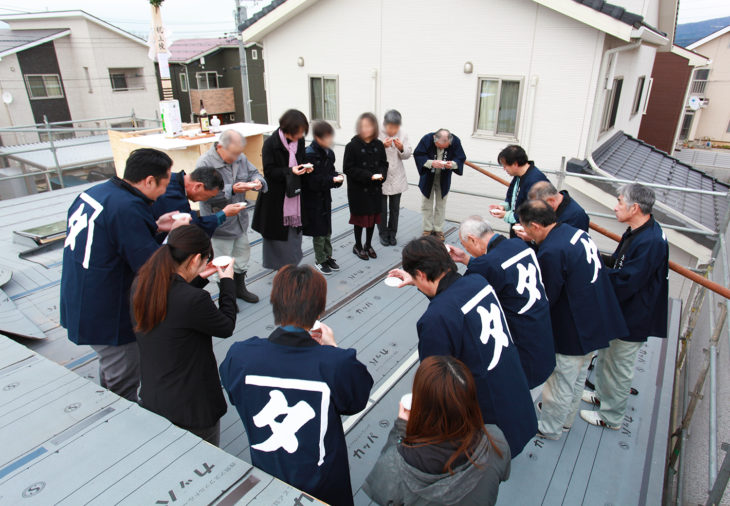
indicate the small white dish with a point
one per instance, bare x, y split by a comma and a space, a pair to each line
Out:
307, 165
407, 401
339, 178
518, 228
493, 212
241, 205
222, 261
392, 281
378, 176
317, 325
181, 216
448, 248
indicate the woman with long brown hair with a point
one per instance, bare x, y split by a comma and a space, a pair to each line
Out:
440, 451
175, 320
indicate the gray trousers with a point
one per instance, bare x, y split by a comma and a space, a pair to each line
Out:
119, 369
236, 247
614, 372
562, 392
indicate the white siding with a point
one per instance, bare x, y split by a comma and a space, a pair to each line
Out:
93, 46
18, 112
417, 49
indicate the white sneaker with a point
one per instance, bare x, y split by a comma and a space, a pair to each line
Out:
590, 398
594, 418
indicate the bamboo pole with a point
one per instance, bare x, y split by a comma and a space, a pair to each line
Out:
682, 271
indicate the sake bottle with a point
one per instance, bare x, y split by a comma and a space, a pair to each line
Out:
204, 121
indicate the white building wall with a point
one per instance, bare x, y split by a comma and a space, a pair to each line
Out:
18, 112
417, 49
713, 121
97, 48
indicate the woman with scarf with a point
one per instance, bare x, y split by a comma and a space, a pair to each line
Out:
278, 216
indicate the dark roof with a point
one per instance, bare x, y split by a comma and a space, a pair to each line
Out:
260, 14
184, 50
618, 12
15, 39
625, 157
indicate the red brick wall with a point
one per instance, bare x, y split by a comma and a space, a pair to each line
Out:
671, 74
216, 101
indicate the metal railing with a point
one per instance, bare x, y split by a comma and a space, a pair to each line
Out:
685, 402
57, 131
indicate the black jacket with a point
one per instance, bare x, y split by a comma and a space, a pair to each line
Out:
362, 160
268, 217
316, 186
178, 368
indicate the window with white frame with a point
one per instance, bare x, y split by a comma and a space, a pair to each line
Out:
183, 82
323, 91
254, 54
206, 80
498, 104
638, 95
44, 86
126, 79
610, 108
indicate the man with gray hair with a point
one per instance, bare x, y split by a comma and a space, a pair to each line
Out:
239, 176
437, 155
511, 267
567, 209
638, 270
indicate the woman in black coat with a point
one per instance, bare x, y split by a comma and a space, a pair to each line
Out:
366, 167
175, 321
283, 156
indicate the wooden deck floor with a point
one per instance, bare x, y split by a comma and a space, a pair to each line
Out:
379, 322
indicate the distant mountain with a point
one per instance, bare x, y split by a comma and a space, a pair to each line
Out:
687, 33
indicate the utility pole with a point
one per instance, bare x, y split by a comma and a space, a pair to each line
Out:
240, 15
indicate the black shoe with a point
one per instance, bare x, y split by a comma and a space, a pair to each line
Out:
324, 268
241, 290
361, 253
384, 240
369, 251
392, 241
333, 265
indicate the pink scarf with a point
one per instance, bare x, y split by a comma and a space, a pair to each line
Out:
292, 205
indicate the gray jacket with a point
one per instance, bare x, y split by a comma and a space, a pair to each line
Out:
241, 171
396, 182
393, 481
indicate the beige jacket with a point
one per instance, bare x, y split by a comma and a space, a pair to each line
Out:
396, 182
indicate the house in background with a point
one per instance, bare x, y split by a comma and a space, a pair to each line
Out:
712, 88
51, 66
556, 76
670, 107
210, 70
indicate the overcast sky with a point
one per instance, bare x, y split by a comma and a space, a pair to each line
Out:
212, 18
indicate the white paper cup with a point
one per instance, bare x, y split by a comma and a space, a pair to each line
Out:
222, 261
406, 401
181, 216
392, 281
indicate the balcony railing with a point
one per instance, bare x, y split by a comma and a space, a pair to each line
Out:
698, 86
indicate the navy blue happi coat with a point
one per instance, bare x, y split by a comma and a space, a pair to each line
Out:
110, 234
290, 393
511, 267
583, 307
571, 213
639, 275
465, 320
175, 199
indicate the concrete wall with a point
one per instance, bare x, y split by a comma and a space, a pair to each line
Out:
96, 49
714, 121
410, 56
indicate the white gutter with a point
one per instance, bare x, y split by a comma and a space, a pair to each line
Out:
598, 102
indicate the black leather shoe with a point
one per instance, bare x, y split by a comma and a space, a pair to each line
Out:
392, 241
385, 240
371, 252
241, 290
360, 253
